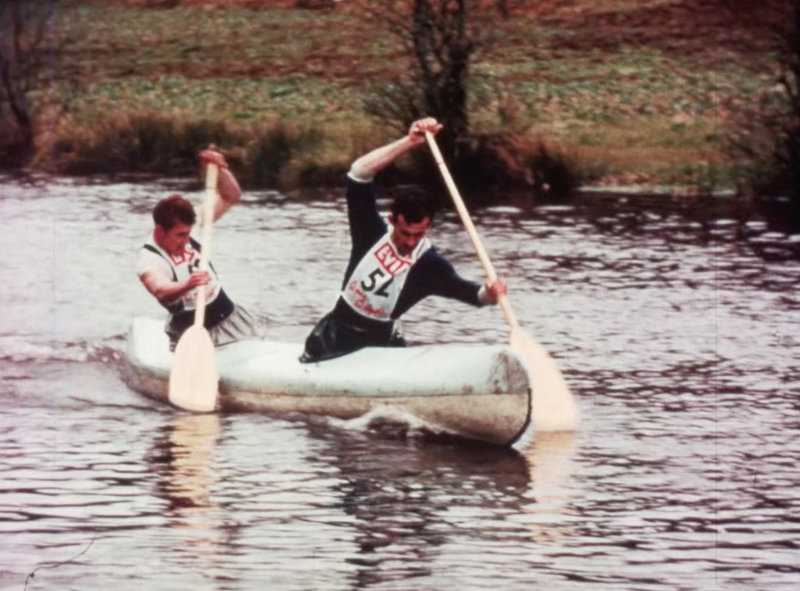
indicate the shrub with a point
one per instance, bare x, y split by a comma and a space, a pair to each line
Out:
538, 166
143, 141
766, 133
269, 155
273, 150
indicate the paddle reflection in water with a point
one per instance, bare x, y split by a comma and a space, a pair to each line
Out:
550, 457
191, 472
183, 456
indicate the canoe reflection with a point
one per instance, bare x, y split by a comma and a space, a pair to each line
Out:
416, 505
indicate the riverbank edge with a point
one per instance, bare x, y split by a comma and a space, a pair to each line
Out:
641, 194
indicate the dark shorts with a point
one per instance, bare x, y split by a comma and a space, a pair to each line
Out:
335, 335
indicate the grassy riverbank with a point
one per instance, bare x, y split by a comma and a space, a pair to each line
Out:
641, 91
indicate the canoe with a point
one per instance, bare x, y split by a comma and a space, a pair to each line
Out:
479, 392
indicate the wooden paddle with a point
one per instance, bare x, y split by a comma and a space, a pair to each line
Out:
554, 409
194, 379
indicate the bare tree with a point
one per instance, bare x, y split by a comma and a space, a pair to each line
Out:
440, 39
23, 58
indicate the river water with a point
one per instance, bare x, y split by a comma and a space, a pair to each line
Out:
679, 338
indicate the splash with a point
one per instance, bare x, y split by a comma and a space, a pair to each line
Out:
391, 421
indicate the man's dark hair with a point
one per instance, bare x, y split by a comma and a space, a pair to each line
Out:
413, 204
173, 209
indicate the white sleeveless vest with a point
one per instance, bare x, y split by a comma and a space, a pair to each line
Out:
181, 267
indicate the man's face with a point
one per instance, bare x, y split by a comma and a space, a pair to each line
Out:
175, 239
406, 236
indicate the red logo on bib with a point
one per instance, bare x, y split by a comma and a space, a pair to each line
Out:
389, 259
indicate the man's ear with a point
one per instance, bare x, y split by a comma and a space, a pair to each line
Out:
391, 219
159, 233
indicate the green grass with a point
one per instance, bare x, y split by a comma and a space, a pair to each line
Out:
289, 98
628, 109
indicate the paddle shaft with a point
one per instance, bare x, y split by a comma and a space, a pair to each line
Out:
488, 268
553, 406
212, 173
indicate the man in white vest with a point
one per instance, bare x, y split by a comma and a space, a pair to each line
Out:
392, 263
168, 263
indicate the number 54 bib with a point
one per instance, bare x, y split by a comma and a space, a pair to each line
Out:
374, 286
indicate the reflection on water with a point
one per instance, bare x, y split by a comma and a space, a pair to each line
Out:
189, 475
189, 450
550, 457
414, 506
677, 333
184, 459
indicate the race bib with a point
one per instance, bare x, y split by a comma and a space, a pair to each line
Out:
181, 267
191, 263
375, 284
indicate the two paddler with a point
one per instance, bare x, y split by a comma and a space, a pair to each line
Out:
168, 263
392, 265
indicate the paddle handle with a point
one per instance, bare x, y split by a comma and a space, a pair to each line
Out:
488, 268
212, 173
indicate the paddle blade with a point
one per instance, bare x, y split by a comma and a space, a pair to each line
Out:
194, 380
554, 408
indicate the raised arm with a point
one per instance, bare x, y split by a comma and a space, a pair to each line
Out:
367, 166
228, 190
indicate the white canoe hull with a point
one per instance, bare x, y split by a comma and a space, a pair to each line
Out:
476, 391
